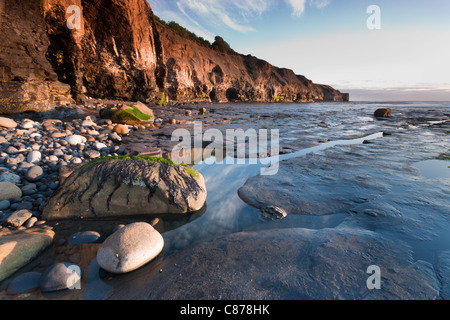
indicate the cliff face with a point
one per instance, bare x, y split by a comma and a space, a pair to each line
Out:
27, 79
119, 51
196, 72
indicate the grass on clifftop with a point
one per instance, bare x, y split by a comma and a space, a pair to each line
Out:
219, 43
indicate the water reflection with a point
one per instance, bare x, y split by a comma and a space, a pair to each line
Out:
227, 213
434, 168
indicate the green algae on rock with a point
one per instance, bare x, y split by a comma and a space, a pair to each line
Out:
128, 186
138, 114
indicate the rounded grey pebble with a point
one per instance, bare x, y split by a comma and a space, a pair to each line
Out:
34, 174
5, 204
61, 276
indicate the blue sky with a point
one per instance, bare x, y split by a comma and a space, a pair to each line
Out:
329, 42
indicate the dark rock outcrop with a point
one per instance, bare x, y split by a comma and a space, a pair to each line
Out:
120, 51
383, 113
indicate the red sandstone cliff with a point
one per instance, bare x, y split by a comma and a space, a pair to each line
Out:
120, 51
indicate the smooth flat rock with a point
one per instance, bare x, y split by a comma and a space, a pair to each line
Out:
130, 248
312, 186
20, 247
292, 264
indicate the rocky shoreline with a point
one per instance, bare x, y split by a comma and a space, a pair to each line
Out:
40, 151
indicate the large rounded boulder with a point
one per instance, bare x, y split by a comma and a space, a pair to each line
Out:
128, 186
130, 248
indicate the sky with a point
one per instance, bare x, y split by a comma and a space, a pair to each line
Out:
401, 51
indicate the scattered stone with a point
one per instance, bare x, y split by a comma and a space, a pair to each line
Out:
18, 218
9, 191
24, 283
53, 158
383, 113
58, 152
27, 125
93, 133
121, 129
24, 205
99, 146
77, 160
75, 140
31, 222
34, 156
5, 204
273, 213
34, 174
87, 122
29, 189
11, 150
58, 134
61, 276
7, 123
115, 137
130, 248
92, 154
9, 177
84, 237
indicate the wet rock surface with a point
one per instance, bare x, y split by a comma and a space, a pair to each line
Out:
293, 264
385, 212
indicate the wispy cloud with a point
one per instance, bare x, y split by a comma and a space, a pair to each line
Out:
298, 6
320, 4
233, 14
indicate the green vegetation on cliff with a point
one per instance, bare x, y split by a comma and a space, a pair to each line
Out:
219, 44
